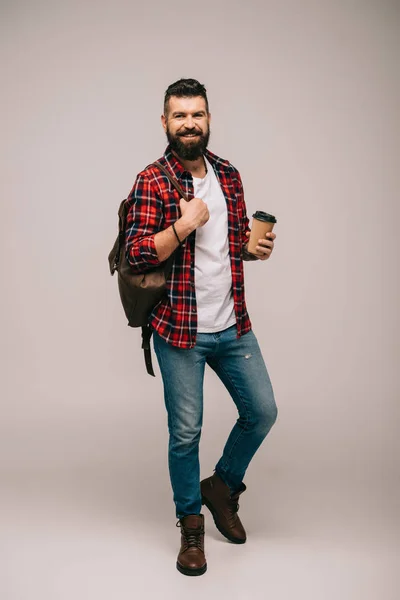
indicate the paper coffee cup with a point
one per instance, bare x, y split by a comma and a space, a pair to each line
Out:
262, 224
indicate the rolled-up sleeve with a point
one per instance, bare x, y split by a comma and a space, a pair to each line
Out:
144, 219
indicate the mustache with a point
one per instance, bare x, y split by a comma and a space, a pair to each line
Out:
197, 131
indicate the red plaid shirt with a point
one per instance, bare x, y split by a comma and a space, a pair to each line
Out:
153, 205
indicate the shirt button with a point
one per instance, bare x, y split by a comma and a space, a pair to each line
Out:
193, 310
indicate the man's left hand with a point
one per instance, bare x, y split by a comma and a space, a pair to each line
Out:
265, 246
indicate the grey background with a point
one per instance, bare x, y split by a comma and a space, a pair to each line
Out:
304, 99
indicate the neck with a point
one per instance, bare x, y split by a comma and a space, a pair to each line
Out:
196, 167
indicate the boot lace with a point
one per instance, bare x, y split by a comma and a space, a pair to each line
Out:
192, 537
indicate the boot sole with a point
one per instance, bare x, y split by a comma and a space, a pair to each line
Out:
192, 572
224, 533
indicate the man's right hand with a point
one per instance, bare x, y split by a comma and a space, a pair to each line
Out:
194, 213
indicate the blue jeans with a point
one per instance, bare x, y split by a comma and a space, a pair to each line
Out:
240, 366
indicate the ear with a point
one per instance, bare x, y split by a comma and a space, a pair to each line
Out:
164, 122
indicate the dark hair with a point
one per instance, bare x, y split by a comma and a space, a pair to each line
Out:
185, 88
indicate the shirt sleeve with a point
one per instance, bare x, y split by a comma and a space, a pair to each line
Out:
143, 220
244, 220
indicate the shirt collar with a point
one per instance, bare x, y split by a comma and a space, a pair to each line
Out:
173, 163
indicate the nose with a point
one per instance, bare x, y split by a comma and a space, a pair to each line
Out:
189, 123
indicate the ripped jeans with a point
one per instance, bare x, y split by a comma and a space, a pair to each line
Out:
240, 366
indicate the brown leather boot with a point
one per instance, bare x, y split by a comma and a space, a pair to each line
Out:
191, 559
223, 505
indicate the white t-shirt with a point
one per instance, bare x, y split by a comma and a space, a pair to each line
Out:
213, 275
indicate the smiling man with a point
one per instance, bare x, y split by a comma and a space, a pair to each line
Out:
203, 318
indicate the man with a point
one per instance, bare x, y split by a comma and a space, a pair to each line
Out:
203, 317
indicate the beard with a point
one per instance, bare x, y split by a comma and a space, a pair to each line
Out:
186, 148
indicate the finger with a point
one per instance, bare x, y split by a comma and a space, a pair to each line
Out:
266, 243
263, 250
262, 256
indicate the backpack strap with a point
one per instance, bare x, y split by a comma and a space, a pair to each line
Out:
172, 179
147, 332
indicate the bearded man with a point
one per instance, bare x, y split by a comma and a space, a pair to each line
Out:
203, 317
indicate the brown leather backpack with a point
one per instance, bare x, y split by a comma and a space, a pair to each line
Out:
140, 292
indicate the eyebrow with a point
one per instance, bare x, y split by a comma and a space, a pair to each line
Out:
182, 112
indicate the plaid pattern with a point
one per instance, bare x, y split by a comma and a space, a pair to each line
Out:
153, 205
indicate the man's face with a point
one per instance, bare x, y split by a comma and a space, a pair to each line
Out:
187, 125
